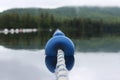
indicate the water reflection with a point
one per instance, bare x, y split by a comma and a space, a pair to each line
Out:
23, 65
25, 38
30, 65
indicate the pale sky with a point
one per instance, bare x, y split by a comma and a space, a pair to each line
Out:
7, 4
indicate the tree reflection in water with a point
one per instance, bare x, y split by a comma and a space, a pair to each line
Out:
34, 40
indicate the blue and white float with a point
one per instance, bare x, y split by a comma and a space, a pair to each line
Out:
59, 42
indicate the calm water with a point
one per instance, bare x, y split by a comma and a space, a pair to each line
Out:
22, 58
30, 65
35, 40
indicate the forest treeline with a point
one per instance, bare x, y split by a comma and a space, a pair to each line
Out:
76, 27
81, 22
82, 27
109, 14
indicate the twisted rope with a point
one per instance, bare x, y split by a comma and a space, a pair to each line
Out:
61, 70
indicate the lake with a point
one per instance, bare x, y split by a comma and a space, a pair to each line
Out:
22, 57
30, 65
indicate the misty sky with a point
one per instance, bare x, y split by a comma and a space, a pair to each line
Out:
7, 4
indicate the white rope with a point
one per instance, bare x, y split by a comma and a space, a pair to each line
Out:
61, 71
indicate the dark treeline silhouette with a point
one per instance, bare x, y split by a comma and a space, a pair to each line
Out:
87, 34
90, 28
72, 27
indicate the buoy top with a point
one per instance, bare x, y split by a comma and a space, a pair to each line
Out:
58, 33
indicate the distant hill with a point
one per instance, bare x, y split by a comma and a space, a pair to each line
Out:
106, 13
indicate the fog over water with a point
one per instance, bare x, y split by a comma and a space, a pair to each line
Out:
30, 65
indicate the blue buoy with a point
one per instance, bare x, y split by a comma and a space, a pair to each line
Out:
59, 42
